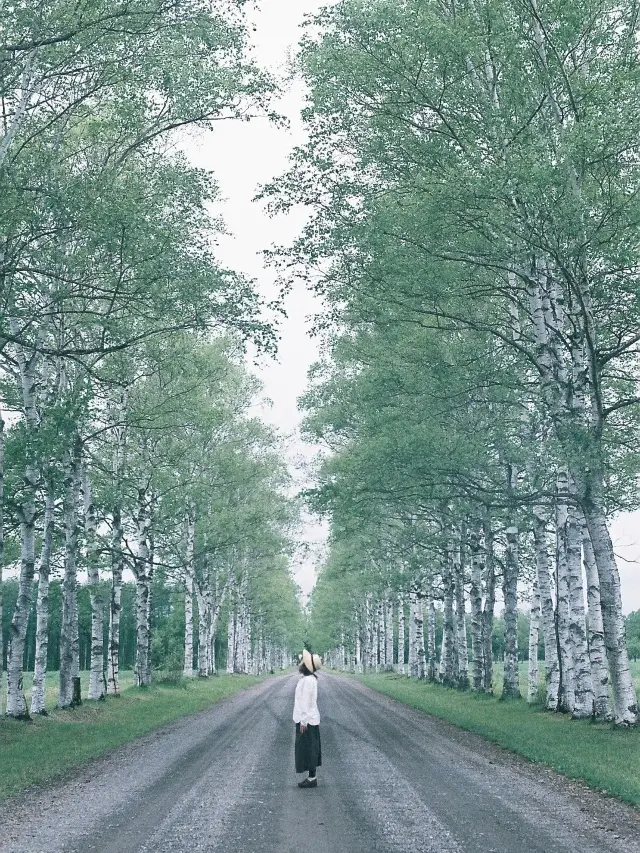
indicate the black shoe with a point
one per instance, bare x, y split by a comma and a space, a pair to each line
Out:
308, 783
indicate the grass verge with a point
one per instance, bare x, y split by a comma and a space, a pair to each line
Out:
47, 747
604, 757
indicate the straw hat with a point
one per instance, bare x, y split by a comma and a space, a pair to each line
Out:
312, 662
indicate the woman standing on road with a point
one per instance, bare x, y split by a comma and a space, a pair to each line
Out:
307, 719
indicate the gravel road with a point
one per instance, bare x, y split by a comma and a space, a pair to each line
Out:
392, 780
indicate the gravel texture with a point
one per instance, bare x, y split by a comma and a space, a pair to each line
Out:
393, 780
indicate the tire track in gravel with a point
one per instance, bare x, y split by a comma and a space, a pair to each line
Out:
117, 802
489, 800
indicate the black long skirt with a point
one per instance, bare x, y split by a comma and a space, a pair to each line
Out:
308, 751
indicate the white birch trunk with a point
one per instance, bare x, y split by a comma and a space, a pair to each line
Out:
413, 639
489, 606
625, 700
188, 593
563, 607
370, 636
379, 650
247, 640
97, 680
432, 663
208, 597
117, 567
511, 686
388, 626
27, 89
204, 628
462, 659
231, 640
401, 666
477, 651
583, 684
215, 616
419, 617
259, 665
142, 570
341, 652
551, 666
148, 670
448, 654
26, 514
42, 607
117, 556
597, 651
534, 636
69, 644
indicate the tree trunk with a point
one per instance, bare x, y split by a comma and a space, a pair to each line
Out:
489, 607
117, 555
190, 524
97, 680
551, 666
69, 642
215, 615
231, 640
379, 649
419, 617
247, 650
148, 661
583, 683
534, 634
142, 571
16, 702
625, 701
477, 668
432, 663
26, 514
511, 686
401, 666
563, 605
413, 639
597, 651
460, 621
204, 629
388, 619
370, 636
42, 606
117, 567
448, 654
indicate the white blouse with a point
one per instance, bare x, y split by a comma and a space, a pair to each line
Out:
305, 707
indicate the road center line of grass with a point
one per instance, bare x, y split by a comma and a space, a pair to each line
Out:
39, 751
606, 758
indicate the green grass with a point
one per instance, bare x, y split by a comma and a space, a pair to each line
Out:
606, 758
47, 747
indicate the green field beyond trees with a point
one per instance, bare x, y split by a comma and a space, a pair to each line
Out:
48, 747
603, 756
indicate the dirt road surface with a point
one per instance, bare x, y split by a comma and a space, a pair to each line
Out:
393, 780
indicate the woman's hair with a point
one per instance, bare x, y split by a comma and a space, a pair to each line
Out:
303, 669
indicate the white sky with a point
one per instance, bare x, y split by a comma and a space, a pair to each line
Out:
243, 156
246, 155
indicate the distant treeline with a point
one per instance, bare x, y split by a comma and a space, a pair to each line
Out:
167, 614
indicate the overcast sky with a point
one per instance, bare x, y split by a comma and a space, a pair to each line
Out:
245, 155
